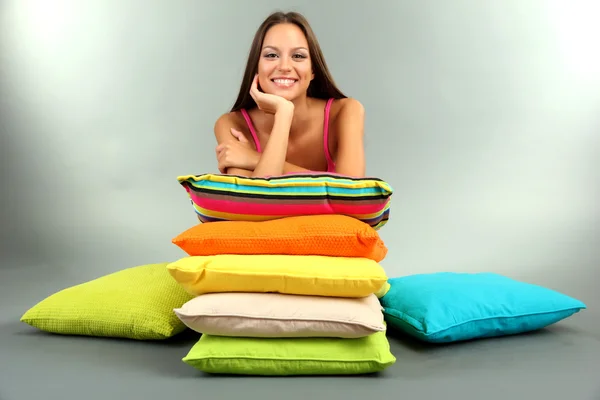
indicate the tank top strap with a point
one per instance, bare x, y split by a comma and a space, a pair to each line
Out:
252, 130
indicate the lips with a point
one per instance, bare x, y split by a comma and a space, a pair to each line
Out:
284, 82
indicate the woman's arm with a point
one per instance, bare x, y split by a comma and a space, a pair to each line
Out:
222, 131
350, 159
349, 126
272, 159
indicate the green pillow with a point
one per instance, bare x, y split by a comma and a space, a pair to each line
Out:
291, 356
135, 303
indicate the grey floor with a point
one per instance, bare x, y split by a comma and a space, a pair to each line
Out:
557, 363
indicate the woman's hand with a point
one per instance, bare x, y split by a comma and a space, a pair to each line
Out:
268, 103
236, 153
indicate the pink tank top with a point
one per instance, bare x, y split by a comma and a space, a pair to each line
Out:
330, 163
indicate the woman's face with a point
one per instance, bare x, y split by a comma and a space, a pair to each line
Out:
284, 66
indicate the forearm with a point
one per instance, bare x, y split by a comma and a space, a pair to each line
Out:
288, 168
272, 160
238, 171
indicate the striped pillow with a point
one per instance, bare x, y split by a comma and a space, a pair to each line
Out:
217, 197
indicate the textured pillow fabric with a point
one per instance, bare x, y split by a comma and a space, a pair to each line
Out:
217, 197
135, 303
288, 274
282, 315
291, 356
449, 307
327, 235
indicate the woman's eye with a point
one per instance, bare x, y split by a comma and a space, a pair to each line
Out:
271, 55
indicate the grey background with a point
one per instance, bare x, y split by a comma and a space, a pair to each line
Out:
483, 116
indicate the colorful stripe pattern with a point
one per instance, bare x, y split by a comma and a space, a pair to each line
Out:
217, 197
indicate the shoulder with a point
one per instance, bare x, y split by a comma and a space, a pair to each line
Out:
348, 108
228, 120
225, 122
350, 105
348, 115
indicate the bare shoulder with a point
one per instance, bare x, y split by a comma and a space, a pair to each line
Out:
225, 122
347, 108
348, 127
349, 105
348, 114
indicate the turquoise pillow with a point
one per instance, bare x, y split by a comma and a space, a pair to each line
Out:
448, 307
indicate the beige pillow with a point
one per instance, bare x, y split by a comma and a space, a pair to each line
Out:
282, 315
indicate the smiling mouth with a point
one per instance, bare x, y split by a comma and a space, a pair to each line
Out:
284, 83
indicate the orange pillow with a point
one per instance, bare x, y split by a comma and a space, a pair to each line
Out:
324, 235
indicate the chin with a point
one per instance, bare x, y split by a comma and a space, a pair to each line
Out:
287, 95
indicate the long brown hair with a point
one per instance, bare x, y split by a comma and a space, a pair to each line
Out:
322, 86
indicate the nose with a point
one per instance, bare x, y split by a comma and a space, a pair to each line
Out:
284, 64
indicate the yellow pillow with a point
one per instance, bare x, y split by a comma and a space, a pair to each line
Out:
383, 291
135, 303
291, 274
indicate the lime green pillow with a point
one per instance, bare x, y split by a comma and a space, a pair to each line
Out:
291, 356
135, 303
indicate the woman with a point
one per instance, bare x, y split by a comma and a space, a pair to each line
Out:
289, 116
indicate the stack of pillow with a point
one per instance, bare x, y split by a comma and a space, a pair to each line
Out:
292, 286
287, 284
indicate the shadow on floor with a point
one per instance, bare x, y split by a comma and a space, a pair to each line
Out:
161, 357
401, 341
164, 357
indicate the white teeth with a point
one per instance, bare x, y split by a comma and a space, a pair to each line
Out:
284, 81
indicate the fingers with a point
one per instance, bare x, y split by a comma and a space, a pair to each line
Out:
220, 162
254, 85
239, 135
254, 88
221, 153
222, 167
236, 134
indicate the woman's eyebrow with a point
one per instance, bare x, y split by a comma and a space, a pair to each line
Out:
275, 48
